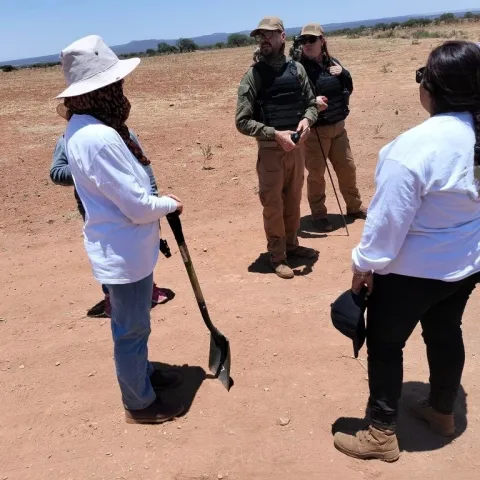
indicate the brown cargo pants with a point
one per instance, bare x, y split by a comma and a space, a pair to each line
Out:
336, 146
280, 176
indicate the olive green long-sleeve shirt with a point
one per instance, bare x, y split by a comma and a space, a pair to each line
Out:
247, 94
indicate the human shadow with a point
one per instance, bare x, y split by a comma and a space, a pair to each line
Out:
193, 377
413, 434
308, 230
262, 264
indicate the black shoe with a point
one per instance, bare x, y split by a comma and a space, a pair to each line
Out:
322, 224
360, 215
165, 379
157, 412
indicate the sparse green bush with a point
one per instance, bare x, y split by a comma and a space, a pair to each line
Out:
448, 18
8, 68
165, 48
386, 34
426, 34
239, 40
186, 45
44, 65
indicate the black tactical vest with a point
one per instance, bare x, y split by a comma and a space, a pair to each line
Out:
331, 87
280, 102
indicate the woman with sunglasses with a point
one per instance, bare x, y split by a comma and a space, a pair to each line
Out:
328, 138
419, 255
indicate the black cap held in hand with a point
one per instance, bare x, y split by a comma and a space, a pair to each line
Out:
348, 317
296, 137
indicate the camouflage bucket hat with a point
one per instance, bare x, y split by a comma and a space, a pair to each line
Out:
314, 29
269, 23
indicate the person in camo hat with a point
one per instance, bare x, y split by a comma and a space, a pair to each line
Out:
331, 80
274, 101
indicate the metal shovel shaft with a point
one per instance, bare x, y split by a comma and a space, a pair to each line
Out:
219, 357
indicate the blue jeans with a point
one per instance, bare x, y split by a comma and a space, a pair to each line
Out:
130, 322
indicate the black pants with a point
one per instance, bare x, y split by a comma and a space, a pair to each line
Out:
395, 307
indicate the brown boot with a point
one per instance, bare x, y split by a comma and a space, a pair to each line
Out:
440, 423
157, 412
282, 269
369, 443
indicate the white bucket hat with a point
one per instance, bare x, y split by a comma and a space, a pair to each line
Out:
89, 64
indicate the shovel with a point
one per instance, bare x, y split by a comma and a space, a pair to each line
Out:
219, 358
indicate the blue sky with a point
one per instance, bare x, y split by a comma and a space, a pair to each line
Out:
30, 28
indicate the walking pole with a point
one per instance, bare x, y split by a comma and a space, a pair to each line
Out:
331, 179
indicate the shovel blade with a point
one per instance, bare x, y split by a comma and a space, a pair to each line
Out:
219, 359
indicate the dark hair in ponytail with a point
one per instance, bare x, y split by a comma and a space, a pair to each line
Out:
452, 78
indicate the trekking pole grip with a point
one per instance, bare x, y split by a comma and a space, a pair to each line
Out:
176, 226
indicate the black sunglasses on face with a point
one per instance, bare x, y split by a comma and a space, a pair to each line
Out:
419, 74
264, 35
308, 39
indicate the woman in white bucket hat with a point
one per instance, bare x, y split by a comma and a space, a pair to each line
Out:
121, 230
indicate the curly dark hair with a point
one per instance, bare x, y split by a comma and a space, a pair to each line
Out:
452, 78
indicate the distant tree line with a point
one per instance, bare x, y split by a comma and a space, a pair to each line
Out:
185, 45
444, 19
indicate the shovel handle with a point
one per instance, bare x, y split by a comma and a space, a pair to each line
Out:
176, 226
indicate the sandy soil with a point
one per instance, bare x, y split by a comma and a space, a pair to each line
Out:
62, 416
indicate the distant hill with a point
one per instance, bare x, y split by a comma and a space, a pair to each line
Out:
142, 45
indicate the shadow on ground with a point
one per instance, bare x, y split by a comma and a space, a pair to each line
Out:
413, 434
307, 229
193, 377
301, 266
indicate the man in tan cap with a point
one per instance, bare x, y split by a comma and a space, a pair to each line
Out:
275, 100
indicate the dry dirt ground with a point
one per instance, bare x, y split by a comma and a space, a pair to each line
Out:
62, 416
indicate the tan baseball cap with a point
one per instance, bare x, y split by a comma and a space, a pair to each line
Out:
314, 29
269, 23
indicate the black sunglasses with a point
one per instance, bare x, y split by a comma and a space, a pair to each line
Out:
419, 74
308, 39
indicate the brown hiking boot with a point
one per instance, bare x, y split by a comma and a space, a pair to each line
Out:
165, 379
440, 423
302, 252
361, 214
157, 412
368, 444
282, 269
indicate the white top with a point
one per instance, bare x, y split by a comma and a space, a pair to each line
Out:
424, 220
121, 230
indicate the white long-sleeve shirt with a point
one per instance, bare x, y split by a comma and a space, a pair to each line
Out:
121, 230
424, 220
